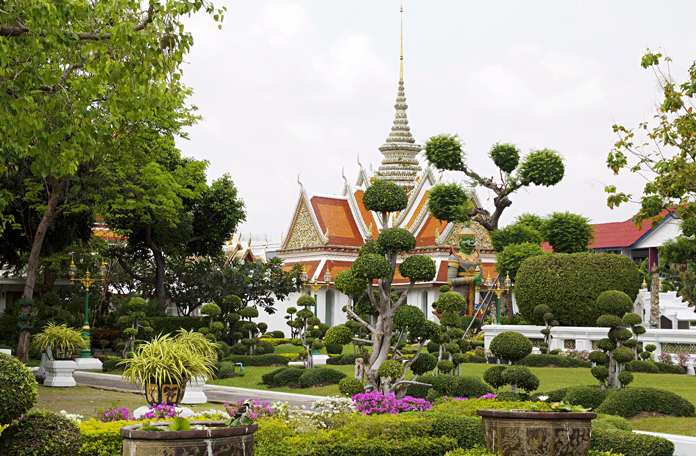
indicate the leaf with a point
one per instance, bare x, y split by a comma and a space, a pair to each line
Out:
179, 424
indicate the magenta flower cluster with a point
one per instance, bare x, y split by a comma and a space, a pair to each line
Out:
108, 415
160, 412
665, 358
21, 417
683, 359
378, 403
257, 409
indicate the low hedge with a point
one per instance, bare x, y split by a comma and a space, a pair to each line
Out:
666, 368
320, 376
347, 359
111, 364
648, 367
258, 360
611, 422
589, 397
468, 430
302, 445
556, 395
544, 361
287, 376
629, 402
101, 439
629, 443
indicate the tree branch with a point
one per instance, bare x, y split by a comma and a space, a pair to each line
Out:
350, 312
134, 274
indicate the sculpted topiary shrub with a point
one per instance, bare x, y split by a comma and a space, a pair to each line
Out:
511, 346
18, 389
41, 433
569, 284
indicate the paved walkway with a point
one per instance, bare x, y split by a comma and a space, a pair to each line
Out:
216, 393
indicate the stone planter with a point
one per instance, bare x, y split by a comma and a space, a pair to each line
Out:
194, 391
223, 441
59, 373
542, 433
169, 393
492, 360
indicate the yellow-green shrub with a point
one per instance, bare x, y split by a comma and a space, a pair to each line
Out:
102, 439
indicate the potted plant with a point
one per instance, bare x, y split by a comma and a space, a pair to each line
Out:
556, 429
492, 359
162, 366
60, 342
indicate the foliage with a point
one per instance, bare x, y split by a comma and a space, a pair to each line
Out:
371, 266
569, 284
168, 359
60, 339
542, 167
631, 401
320, 376
589, 397
384, 196
101, 438
648, 367
615, 303
545, 361
339, 334
467, 386
41, 433
450, 202
611, 421
511, 346
347, 359
509, 261
629, 443
258, 360
112, 363
18, 389
390, 368
568, 233
520, 376
346, 282
515, 233
350, 386
418, 268
425, 363
396, 240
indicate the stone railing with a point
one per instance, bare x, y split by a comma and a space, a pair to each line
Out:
671, 341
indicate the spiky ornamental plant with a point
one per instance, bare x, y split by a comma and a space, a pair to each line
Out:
377, 261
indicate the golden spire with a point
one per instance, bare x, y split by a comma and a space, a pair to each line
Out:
401, 72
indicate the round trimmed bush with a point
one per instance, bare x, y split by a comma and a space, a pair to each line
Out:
18, 389
622, 355
320, 376
631, 401
239, 349
468, 386
385, 196
267, 348
418, 268
338, 335
350, 386
421, 391
601, 373
334, 349
424, 363
494, 376
226, 370
396, 240
41, 433
626, 378
587, 396
632, 319
288, 376
599, 358
614, 302
451, 301
445, 365
390, 368
569, 284
545, 361
511, 346
611, 422
521, 377
650, 348
371, 266
608, 321
642, 366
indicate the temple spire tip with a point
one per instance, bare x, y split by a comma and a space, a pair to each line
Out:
401, 58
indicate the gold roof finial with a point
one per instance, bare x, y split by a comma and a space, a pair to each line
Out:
401, 72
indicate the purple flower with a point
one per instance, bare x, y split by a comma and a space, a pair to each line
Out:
378, 403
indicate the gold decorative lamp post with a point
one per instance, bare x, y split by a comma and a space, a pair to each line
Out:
498, 290
86, 282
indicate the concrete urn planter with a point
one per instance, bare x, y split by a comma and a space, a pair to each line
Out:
194, 391
59, 373
216, 441
537, 433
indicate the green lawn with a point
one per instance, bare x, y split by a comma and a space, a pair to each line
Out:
666, 425
84, 400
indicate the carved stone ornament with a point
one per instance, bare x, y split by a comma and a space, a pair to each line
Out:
537, 433
303, 234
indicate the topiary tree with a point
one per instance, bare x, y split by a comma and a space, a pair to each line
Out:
551, 279
212, 310
135, 323
515, 376
511, 346
615, 304
568, 233
378, 261
290, 311
449, 305
41, 433
308, 326
633, 320
540, 167
543, 313
18, 389
648, 351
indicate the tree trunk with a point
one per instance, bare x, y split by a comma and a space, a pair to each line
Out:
655, 297
32, 270
506, 304
611, 381
381, 345
159, 279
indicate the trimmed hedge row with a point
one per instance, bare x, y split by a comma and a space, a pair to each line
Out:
299, 376
552, 361
629, 402
346, 359
258, 360
654, 367
629, 443
449, 385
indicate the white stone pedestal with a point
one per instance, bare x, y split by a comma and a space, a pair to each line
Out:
60, 373
6, 351
88, 364
194, 391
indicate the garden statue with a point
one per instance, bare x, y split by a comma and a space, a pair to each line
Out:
464, 273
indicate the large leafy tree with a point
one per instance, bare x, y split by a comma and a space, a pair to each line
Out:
663, 151
374, 271
75, 75
542, 167
567, 232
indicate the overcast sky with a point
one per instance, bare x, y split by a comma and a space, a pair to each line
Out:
304, 87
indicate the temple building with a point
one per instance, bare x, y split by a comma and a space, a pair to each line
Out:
326, 231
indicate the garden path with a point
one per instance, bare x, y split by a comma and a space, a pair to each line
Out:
215, 393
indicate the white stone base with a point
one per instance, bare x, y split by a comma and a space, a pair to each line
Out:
6, 351
60, 374
183, 412
194, 391
318, 360
88, 364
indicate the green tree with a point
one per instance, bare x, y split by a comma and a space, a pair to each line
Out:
75, 77
508, 261
515, 233
568, 233
540, 167
663, 151
377, 260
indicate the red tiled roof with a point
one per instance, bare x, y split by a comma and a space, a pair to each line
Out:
365, 214
335, 267
335, 215
310, 265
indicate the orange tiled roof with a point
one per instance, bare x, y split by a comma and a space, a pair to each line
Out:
426, 236
414, 217
335, 267
310, 265
365, 214
335, 215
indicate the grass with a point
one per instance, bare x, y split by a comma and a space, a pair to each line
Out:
666, 425
84, 400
